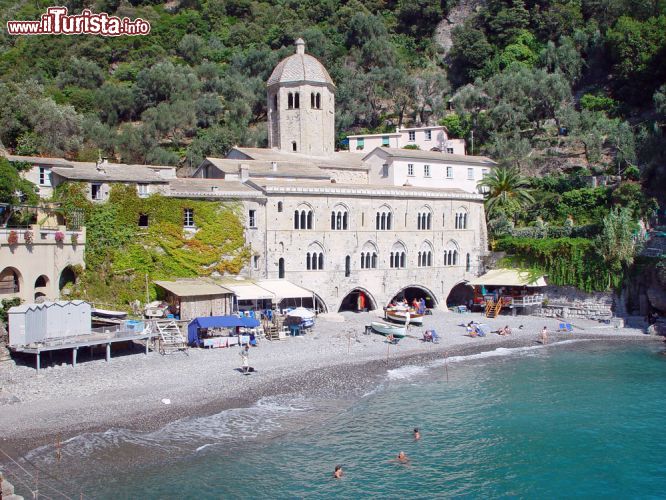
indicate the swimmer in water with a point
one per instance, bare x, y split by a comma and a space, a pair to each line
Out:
417, 434
337, 474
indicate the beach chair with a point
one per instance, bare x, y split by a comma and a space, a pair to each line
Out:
435, 336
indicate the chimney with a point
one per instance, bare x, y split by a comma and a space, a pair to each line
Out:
300, 46
244, 172
274, 166
102, 163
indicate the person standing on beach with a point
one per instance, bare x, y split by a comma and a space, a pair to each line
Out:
245, 358
544, 335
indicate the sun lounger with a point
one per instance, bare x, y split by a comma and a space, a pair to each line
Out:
565, 327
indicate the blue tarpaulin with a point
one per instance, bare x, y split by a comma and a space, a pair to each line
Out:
217, 322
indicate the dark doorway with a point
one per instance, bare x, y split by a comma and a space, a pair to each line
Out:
357, 301
461, 295
415, 292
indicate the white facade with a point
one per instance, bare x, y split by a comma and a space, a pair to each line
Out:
433, 138
404, 167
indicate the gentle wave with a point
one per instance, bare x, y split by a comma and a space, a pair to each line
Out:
188, 435
408, 372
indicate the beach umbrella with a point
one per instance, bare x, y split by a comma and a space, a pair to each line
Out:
301, 312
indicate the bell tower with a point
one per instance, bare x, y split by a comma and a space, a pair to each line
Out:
301, 105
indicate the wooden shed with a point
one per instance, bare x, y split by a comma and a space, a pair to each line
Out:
193, 298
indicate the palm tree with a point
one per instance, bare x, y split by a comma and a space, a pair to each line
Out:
504, 188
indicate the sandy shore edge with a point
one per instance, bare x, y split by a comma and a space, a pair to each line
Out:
347, 379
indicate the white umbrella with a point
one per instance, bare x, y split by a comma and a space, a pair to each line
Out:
301, 312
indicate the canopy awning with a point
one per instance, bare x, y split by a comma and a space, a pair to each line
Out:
193, 288
509, 277
283, 289
249, 291
217, 322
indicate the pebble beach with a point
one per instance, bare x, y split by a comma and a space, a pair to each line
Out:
140, 391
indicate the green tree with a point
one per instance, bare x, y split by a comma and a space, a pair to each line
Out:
506, 188
616, 244
13, 188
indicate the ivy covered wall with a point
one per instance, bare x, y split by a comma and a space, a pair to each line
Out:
121, 256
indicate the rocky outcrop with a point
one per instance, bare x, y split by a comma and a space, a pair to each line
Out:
7, 490
456, 17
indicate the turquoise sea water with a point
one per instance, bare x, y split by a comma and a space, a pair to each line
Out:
577, 420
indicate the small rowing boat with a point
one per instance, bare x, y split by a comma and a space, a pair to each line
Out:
400, 316
387, 329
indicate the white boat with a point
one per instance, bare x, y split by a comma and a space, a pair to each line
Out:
106, 313
386, 329
156, 309
400, 316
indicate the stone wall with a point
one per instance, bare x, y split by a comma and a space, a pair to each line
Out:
567, 302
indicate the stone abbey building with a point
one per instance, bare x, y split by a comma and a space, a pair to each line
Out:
379, 221
383, 222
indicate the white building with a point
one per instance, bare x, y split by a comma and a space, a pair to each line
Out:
433, 138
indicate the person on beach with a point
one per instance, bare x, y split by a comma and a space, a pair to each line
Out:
337, 474
417, 434
245, 359
544, 335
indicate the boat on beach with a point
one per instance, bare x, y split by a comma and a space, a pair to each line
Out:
107, 313
387, 329
400, 316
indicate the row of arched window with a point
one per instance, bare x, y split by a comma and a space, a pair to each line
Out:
368, 260
294, 100
304, 219
461, 220
339, 220
397, 260
383, 221
314, 261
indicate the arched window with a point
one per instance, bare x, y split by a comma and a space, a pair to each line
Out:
451, 254
303, 218
275, 102
398, 256
279, 206
424, 219
369, 255
290, 101
293, 146
347, 266
384, 219
468, 262
315, 257
425, 255
281, 268
318, 101
461, 219
312, 101
339, 218
297, 100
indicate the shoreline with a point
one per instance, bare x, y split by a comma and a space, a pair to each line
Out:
347, 378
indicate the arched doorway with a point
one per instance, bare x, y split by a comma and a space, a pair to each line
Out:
319, 304
10, 281
358, 300
67, 277
41, 286
417, 292
460, 295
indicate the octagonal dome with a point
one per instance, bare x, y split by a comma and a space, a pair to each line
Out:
300, 67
